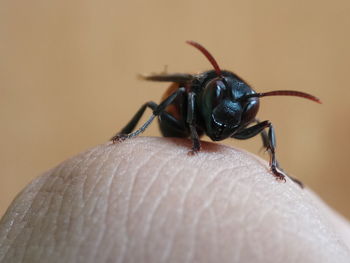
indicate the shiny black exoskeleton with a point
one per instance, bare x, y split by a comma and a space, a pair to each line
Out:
217, 103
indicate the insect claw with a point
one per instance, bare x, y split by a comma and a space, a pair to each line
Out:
192, 152
281, 178
278, 175
119, 138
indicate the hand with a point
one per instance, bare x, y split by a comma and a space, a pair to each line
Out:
146, 200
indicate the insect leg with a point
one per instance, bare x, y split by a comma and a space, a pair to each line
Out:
264, 136
265, 140
133, 122
191, 120
252, 131
269, 141
172, 127
156, 111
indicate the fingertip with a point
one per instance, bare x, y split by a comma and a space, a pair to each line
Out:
157, 202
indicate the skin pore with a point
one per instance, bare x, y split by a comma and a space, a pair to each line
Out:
146, 200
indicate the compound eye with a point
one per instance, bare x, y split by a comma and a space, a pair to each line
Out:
214, 92
250, 110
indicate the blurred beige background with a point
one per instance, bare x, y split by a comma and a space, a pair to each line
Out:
68, 77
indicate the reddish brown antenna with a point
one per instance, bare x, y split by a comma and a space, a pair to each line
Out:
285, 93
207, 55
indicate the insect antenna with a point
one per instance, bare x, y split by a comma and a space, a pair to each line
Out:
207, 55
284, 93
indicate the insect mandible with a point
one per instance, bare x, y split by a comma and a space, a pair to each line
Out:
217, 103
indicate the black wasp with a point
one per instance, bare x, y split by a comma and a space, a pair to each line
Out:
217, 103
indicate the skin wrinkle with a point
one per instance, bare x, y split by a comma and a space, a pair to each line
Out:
198, 219
146, 191
55, 231
141, 199
233, 185
215, 178
210, 205
151, 184
53, 222
202, 202
175, 174
278, 236
126, 217
192, 243
10, 231
265, 214
291, 232
95, 205
195, 226
182, 206
88, 162
130, 191
162, 194
217, 175
245, 202
192, 237
45, 185
147, 216
150, 222
86, 168
209, 209
158, 152
167, 250
316, 219
252, 229
87, 196
64, 209
216, 231
29, 231
58, 175
55, 200
250, 239
109, 204
100, 237
152, 213
99, 181
79, 213
320, 216
25, 215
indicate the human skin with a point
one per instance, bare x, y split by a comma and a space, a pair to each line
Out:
146, 200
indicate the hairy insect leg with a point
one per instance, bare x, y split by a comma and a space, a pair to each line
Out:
191, 120
269, 141
133, 122
157, 109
